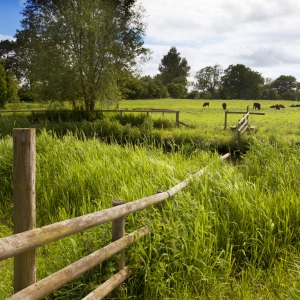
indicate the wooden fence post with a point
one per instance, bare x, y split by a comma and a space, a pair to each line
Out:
225, 124
177, 118
24, 166
118, 231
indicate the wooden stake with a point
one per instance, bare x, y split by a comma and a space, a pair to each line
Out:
24, 165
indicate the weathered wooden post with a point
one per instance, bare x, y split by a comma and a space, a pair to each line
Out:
24, 166
225, 124
118, 231
177, 118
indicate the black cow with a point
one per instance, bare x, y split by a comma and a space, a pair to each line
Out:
206, 104
256, 105
224, 105
277, 106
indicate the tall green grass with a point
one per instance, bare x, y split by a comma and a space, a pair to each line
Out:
231, 234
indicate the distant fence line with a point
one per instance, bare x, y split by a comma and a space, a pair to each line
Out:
27, 238
121, 111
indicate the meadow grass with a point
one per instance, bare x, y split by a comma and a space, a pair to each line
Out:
231, 234
192, 111
207, 122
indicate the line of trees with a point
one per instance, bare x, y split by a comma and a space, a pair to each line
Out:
240, 82
88, 52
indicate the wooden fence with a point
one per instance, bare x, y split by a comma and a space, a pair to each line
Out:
243, 123
27, 238
121, 111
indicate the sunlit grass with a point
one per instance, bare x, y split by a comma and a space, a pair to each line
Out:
231, 234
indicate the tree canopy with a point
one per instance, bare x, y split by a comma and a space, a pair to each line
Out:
208, 79
8, 87
173, 67
240, 82
74, 49
284, 84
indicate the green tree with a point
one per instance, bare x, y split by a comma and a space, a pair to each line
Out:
289, 95
240, 82
208, 79
284, 84
3, 87
25, 93
177, 90
145, 87
70, 50
8, 87
7, 51
173, 67
12, 87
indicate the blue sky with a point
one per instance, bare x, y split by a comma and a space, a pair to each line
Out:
10, 17
263, 35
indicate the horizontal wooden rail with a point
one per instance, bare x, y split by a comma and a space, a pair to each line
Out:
243, 112
28, 240
109, 285
56, 280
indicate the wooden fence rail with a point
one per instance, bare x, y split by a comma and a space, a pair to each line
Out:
24, 243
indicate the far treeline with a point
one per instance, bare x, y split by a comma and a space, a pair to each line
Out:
89, 52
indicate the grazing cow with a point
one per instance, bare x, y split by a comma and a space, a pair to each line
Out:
256, 105
224, 105
206, 104
282, 106
273, 106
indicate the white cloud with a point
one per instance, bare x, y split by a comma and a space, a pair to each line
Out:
262, 34
6, 37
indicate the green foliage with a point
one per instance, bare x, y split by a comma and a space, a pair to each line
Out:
25, 94
177, 90
3, 87
240, 82
7, 50
284, 83
289, 95
173, 67
208, 79
269, 93
74, 50
8, 87
12, 88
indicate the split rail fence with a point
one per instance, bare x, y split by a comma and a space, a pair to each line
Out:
27, 237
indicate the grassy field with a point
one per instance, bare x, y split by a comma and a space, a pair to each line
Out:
193, 112
232, 234
281, 126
